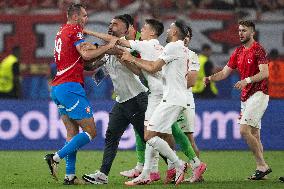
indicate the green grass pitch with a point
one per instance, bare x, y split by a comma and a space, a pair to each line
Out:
226, 169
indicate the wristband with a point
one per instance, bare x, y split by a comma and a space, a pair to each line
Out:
248, 80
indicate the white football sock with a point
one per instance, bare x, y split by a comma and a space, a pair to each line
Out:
155, 162
171, 165
56, 157
70, 176
139, 166
149, 155
195, 162
163, 148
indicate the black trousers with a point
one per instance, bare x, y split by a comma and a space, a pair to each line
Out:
121, 115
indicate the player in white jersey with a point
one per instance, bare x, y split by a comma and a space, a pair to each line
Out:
187, 123
175, 57
149, 49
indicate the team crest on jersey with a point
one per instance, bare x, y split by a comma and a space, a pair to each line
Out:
88, 109
249, 61
80, 35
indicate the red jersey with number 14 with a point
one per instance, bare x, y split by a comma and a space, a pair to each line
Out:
246, 61
68, 60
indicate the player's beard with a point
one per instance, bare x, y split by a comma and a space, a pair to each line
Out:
113, 33
81, 23
245, 41
110, 32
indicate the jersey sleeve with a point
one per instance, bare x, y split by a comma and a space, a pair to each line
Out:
137, 45
261, 57
195, 66
168, 54
232, 63
77, 36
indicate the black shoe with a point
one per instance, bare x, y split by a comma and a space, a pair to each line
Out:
69, 182
281, 179
53, 165
258, 175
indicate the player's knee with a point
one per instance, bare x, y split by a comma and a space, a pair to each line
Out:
93, 134
147, 137
152, 140
244, 131
91, 131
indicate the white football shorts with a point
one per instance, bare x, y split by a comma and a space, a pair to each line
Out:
153, 102
253, 109
163, 117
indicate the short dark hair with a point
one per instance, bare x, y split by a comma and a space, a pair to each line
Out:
183, 28
74, 8
156, 25
123, 19
129, 18
247, 23
189, 34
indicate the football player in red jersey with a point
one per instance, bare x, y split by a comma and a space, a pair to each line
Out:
251, 62
67, 89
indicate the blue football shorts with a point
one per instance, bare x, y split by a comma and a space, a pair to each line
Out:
71, 100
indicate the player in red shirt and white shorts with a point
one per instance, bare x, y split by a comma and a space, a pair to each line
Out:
251, 62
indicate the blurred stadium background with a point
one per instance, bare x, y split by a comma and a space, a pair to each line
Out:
31, 121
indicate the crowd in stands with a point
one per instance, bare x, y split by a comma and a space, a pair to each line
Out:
162, 5
24, 6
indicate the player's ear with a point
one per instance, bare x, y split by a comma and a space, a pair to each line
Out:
75, 17
175, 32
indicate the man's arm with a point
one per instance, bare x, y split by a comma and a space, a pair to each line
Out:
107, 37
115, 51
93, 64
103, 36
132, 67
223, 74
149, 66
88, 54
263, 74
191, 78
